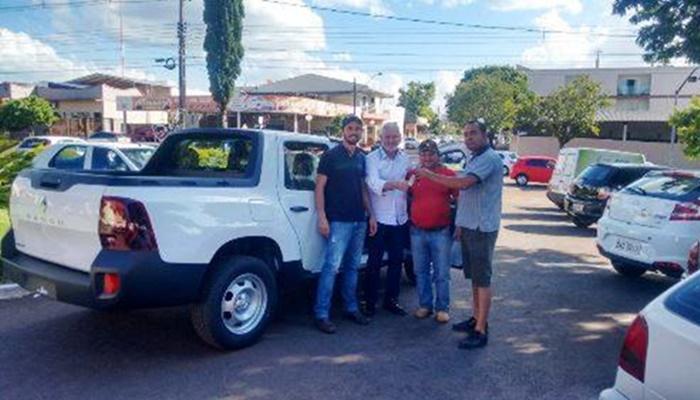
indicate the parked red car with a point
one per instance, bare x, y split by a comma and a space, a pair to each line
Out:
533, 169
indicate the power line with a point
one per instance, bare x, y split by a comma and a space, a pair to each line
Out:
435, 21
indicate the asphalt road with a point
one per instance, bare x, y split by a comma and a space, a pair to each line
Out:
558, 320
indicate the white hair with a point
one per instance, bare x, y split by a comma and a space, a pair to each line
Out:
391, 126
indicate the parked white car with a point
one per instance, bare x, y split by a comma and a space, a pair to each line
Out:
33, 142
98, 156
651, 224
509, 158
660, 354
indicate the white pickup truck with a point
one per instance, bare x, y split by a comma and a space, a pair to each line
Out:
220, 219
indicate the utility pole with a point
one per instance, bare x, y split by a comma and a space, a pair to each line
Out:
690, 78
354, 96
121, 38
597, 59
181, 33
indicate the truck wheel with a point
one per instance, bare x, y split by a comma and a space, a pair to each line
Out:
506, 171
581, 223
237, 302
627, 270
521, 180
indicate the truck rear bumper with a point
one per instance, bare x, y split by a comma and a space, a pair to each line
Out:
145, 279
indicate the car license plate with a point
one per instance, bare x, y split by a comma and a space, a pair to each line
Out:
627, 246
578, 208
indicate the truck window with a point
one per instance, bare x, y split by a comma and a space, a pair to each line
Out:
106, 159
301, 162
70, 157
226, 155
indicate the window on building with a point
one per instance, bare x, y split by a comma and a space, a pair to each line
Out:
638, 85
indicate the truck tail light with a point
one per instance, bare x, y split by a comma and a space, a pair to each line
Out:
686, 211
111, 283
633, 357
124, 225
694, 258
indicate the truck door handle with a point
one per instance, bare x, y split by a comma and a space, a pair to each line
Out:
298, 209
50, 183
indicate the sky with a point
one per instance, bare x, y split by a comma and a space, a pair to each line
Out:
384, 43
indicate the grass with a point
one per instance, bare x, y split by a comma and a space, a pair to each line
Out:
4, 226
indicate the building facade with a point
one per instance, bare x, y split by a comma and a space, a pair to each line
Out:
642, 98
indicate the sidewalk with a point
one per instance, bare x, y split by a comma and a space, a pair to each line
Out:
11, 291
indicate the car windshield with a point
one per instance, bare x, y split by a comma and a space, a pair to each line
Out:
32, 143
670, 186
596, 174
138, 156
686, 301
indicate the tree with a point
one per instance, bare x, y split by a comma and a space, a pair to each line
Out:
669, 29
416, 99
224, 20
27, 113
496, 94
687, 123
335, 128
570, 111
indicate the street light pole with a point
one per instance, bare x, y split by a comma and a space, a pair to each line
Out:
689, 78
181, 32
354, 96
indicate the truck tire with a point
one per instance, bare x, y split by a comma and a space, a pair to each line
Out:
581, 223
506, 171
237, 302
627, 270
521, 180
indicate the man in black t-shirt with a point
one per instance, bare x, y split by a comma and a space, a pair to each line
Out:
342, 202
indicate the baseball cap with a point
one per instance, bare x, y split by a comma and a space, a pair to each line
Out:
350, 119
428, 145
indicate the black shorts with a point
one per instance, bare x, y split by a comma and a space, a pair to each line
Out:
477, 256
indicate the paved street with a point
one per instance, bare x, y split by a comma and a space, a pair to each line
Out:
558, 320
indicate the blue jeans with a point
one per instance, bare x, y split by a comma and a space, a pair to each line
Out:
343, 253
431, 261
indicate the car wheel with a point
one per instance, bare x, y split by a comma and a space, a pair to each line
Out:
521, 180
582, 223
506, 171
627, 270
237, 302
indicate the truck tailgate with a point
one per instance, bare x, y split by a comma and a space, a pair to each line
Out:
55, 222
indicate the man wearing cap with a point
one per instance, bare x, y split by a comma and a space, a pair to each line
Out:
430, 235
477, 223
342, 203
387, 167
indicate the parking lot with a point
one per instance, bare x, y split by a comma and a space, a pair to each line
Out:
559, 317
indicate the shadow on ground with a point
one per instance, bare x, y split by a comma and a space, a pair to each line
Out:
557, 324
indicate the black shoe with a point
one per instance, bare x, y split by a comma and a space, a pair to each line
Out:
475, 340
325, 326
357, 318
368, 310
465, 326
394, 308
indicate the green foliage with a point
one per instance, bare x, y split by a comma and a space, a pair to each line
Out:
669, 29
335, 128
496, 94
570, 111
416, 99
224, 47
11, 163
7, 143
27, 113
687, 124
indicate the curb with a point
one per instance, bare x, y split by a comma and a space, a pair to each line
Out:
11, 291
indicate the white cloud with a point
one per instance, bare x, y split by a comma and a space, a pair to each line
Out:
373, 6
342, 57
29, 59
445, 83
572, 49
448, 3
572, 6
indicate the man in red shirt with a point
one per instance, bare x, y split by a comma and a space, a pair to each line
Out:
430, 235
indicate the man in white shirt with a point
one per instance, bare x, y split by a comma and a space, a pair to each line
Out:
387, 168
